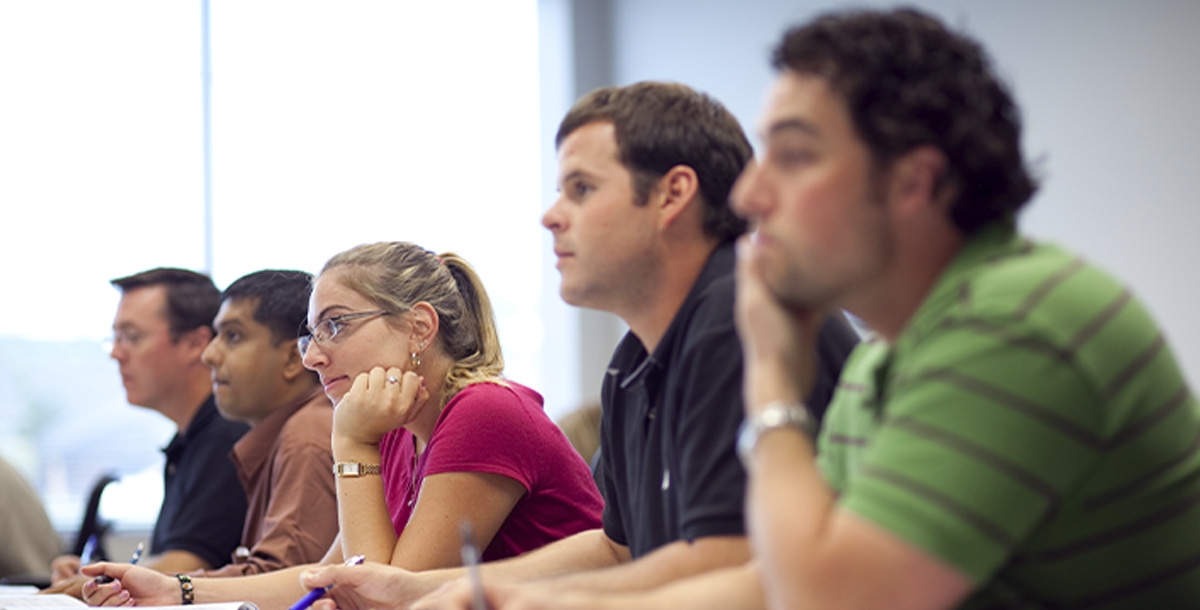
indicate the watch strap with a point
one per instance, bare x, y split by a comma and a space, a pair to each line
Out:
355, 469
776, 414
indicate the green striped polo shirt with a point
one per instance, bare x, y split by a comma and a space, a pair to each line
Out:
1031, 428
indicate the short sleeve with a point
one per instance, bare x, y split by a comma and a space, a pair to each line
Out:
485, 429
613, 523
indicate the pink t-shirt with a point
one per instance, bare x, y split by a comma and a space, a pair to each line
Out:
490, 428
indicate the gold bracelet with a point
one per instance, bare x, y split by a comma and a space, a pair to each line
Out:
355, 469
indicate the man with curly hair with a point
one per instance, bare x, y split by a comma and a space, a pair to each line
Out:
1018, 430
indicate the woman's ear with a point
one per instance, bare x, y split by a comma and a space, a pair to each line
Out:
423, 320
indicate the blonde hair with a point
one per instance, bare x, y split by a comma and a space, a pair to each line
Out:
395, 276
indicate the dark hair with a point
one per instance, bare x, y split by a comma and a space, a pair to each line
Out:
661, 125
192, 298
282, 300
395, 276
907, 81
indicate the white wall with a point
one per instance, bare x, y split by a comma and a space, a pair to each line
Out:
575, 57
1108, 90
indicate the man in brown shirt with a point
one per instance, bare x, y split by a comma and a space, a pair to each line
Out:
284, 462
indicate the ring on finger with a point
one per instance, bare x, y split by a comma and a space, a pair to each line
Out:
393, 379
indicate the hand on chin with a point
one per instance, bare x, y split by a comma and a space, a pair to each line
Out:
377, 402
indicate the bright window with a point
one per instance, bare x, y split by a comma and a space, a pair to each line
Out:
332, 124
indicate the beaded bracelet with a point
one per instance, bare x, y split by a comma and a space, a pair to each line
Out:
187, 589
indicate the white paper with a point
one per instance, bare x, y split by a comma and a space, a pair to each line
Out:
6, 590
60, 601
57, 600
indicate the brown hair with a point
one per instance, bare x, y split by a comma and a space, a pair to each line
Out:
907, 81
192, 299
661, 125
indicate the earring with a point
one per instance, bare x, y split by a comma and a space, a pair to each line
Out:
416, 360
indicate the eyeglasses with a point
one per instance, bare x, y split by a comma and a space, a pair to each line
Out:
127, 339
330, 327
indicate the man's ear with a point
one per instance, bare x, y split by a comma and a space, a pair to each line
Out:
917, 179
293, 361
675, 193
195, 340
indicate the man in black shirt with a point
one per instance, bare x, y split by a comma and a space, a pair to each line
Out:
642, 230
162, 325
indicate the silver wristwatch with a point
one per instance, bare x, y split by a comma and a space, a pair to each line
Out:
777, 414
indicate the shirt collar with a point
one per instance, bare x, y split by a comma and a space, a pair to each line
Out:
953, 286
719, 264
256, 446
200, 421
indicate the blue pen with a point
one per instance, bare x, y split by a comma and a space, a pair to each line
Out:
89, 550
104, 579
316, 594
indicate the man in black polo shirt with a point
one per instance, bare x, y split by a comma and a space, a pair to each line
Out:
642, 230
162, 325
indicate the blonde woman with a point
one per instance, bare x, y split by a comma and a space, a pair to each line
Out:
427, 432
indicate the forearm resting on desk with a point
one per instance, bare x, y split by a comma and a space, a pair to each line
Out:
584, 552
362, 588
675, 561
731, 588
594, 578
150, 588
736, 588
175, 562
170, 562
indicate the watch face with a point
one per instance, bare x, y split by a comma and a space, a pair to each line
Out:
351, 470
